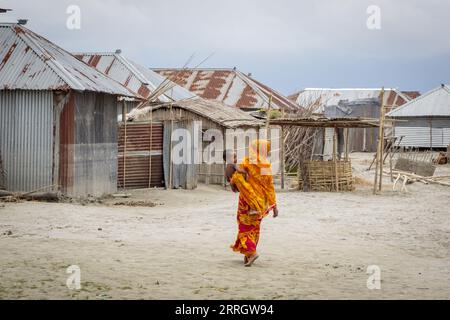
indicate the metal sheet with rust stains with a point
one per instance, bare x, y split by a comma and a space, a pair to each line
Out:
132, 75
31, 62
229, 86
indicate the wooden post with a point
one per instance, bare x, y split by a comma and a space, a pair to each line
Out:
282, 158
124, 145
299, 171
346, 143
382, 141
431, 134
282, 151
170, 151
336, 175
379, 158
124, 111
150, 150
224, 162
269, 109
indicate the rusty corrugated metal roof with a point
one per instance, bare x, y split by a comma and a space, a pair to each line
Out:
132, 75
229, 86
31, 62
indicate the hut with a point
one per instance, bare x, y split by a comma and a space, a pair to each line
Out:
425, 121
145, 142
140, 143
231, 87
58, 118
319, 175
350, 103
197, 116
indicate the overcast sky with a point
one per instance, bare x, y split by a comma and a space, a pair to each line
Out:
287, 44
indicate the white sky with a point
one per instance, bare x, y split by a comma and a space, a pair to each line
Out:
288, 44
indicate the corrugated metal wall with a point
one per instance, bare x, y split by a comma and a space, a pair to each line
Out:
26, 139
423, 132
88, 144
183, 175
140, 170
94, 158
360, 139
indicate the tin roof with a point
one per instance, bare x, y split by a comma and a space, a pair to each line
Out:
31, 62
215, 111
435, 103
320, 98
229, 86
132, 75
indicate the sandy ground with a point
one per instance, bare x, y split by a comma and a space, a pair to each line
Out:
318, 248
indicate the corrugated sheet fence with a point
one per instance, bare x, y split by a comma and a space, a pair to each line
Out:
26, 139
142, 165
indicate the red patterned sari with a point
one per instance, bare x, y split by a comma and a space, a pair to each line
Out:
249, 224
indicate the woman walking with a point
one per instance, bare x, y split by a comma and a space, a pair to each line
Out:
259, 176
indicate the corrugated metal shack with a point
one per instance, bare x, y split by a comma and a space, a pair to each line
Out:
350, 103
425, 121
58, 118
229, 86
140, 161
187, 114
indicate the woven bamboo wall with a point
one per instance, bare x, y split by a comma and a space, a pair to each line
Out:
321, 176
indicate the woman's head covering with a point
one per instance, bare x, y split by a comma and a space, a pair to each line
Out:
259, 152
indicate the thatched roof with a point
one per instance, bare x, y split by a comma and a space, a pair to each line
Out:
323, 122
218, 112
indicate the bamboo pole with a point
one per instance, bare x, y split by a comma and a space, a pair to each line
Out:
269, 109
124, 119
282, 158
382, 116
335, 142
150, 150
282, 153
346, 143
379, 145
170, 149
224, 162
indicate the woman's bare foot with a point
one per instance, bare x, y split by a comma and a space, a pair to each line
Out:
251, 260
245, 259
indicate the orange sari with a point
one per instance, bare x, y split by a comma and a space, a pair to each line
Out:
261, 180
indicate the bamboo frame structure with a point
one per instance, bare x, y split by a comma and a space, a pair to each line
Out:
378, 179
321, 175
335, 175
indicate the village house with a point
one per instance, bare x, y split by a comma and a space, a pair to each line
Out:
425, 121
145, 140
349, 103
58, 118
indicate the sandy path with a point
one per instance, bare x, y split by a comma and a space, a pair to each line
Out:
319, 247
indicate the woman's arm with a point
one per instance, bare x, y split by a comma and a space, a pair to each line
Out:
275, 212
